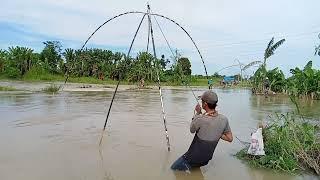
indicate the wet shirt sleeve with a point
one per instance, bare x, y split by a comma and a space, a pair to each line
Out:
195, 124
227, 127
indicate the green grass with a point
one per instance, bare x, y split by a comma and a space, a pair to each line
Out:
291, 145
7, 88
51, 89
3, 76
38, 74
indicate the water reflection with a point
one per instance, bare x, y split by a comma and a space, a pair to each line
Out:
16, 99
105, 175
195, 174
260, 106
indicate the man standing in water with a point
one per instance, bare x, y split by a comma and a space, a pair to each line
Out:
209, 128
210, 83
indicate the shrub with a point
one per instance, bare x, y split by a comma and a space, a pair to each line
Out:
51, 89
291, 144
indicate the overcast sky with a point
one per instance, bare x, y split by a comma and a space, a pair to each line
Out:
224, 30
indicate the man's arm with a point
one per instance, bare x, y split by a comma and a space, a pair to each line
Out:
227, 136
194, 127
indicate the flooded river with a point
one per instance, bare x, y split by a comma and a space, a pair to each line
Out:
55, 137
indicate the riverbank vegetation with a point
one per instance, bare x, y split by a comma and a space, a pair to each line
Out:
94, 66
100, 66
291, 144
303, 83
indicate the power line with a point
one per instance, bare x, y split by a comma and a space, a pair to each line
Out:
262, 43
261, 40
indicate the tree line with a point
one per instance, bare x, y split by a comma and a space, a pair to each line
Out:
16, 62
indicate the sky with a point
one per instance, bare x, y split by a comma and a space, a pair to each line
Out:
225, 31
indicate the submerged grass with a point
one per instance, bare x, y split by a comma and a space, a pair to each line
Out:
51, 89
7, 88
292, 144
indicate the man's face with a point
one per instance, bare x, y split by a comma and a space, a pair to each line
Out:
204, 104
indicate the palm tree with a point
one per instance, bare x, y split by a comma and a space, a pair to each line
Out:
20, 58
69, 56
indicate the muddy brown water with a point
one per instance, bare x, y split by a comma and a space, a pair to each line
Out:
56, 136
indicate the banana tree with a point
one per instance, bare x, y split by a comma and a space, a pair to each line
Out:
261, 73
305, 82
256, 80
271, 48
277, 80
249, 65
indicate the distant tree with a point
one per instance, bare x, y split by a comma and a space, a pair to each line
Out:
217, 75
69, 56
185, 65
120, 66
51, 55
3, 56
19, 61
164, 62
142, 68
